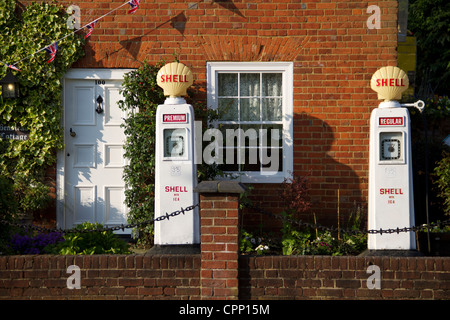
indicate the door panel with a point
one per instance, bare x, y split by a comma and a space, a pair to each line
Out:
94, 156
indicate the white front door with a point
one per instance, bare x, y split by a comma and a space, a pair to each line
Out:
93, 158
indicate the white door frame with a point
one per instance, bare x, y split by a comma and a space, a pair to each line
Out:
76, 74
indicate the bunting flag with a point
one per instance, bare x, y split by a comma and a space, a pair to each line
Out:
51, 49
134, 6
90, 28
13, 67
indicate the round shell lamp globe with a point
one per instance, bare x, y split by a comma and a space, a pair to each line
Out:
389, 83
175, 78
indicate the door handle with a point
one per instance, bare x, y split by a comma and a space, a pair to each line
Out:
72, 133
99, 108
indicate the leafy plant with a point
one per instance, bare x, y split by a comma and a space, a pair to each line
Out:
141, 98
248, 243
442, 172
294, 192
85, 242
428, 20
38, 109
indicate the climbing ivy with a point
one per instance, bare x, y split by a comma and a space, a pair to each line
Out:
39, 107
141, 98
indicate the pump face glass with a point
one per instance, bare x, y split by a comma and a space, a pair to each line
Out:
174, 143
390, 146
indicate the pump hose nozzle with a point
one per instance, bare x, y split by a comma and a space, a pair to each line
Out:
420, 105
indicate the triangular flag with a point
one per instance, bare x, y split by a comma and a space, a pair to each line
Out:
134, 5
51, 49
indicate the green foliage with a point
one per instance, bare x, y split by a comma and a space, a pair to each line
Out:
104, 242
248, 243
429, 21
442, 172
309, 241
315, 240
39, 107
7, 211
141, 98
7, 203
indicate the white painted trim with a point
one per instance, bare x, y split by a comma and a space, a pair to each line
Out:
287, 68
110, 74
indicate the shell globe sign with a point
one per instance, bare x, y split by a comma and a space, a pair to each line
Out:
389, 83
174, 78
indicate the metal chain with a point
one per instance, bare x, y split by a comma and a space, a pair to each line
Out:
300, 223
115, 228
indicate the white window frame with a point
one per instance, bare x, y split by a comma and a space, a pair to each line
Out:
287, 70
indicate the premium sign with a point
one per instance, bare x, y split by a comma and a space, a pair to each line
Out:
390, 121
175, 118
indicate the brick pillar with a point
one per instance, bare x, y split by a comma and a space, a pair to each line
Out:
219, 236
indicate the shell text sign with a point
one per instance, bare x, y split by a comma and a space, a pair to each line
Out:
389, 83
175, 78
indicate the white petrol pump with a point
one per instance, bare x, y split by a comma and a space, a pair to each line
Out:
175, 169
391, 201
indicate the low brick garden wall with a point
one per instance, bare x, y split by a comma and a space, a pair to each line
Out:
262, 277
219, 272
326, 277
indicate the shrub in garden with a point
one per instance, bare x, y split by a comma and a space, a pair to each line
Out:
314, 239
442, 172
88, 242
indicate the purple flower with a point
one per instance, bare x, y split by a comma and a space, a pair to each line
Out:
27, 244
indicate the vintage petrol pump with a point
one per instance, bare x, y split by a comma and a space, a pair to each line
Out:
176, 172
391, 201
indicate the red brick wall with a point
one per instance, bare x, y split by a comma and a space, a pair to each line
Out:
325, 277
102, 277
219, 245
178, 277
334, 55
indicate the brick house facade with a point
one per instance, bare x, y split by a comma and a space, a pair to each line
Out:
332, 52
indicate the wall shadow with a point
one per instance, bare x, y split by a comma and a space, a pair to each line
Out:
335, 188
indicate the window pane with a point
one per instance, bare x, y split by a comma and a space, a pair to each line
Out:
272, 84
272, 109
251, 162
272, 135
230, 134
228, 109
250, 109
230, 160
228, 84
272, 159
249, 85
250, 134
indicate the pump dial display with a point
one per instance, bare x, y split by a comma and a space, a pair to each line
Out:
174, 143
391, 146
